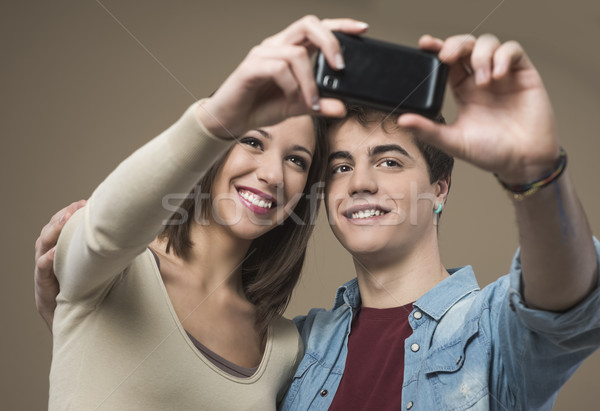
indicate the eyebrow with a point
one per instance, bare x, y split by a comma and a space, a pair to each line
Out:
339, 155
264, 133
372, 152
386, 148
296, 147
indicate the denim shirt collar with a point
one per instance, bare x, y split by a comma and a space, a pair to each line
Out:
348, 294
434, 303
437, 301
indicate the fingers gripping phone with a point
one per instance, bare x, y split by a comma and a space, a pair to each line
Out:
384, 76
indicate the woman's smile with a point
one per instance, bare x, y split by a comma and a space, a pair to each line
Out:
255, 200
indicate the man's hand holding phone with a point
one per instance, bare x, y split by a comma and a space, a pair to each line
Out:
505, 120
505, 123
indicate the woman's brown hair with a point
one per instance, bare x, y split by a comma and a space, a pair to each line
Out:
274, 260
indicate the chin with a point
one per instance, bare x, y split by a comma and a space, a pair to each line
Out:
363, 245
246, 226
365, 249
376, 242
250, 231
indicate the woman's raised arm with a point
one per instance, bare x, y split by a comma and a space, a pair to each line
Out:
126, 212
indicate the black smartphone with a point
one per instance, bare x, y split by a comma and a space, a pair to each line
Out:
384, 76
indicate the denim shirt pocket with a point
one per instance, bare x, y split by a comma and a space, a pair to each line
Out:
457, 371
307, 362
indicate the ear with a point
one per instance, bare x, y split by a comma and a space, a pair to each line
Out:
442, 188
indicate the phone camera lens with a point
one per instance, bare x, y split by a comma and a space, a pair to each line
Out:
330, 82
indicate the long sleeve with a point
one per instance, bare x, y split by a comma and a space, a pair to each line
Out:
126, 212
537, 350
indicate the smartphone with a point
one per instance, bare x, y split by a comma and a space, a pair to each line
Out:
384, 76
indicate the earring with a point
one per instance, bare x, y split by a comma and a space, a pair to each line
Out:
438, 209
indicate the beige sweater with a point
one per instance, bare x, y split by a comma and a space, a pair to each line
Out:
118, 344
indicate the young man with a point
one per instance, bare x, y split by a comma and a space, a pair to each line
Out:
409, 334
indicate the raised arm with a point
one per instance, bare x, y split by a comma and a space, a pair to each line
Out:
506, 126
126, 212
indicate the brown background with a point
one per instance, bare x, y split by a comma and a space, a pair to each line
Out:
84, 83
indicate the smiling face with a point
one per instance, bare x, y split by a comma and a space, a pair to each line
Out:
378, 195
263, 177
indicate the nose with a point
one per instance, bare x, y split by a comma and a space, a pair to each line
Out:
361, 181
270, 171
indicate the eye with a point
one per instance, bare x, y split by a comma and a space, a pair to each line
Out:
252, 142
299, 161
389, 163
342, 168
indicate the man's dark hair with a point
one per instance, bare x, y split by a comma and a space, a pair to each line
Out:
439, 164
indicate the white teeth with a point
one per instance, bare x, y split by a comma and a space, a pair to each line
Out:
256, 200
367, 213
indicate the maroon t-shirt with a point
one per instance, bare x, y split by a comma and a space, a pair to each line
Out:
374, 369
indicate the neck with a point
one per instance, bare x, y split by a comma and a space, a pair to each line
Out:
399, 279
216, 257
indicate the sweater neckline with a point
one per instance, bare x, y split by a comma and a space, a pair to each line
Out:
183, 334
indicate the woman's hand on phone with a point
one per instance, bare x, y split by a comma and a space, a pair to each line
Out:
275, 80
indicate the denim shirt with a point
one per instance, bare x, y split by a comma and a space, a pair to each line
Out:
471, 349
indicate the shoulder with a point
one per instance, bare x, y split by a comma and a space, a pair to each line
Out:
283, 325
286, 339
476, 310
284, 331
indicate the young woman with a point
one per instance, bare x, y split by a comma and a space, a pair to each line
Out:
165, 305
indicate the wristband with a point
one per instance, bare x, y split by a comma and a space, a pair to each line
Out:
520, 191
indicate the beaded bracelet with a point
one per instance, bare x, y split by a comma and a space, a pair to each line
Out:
520, 191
